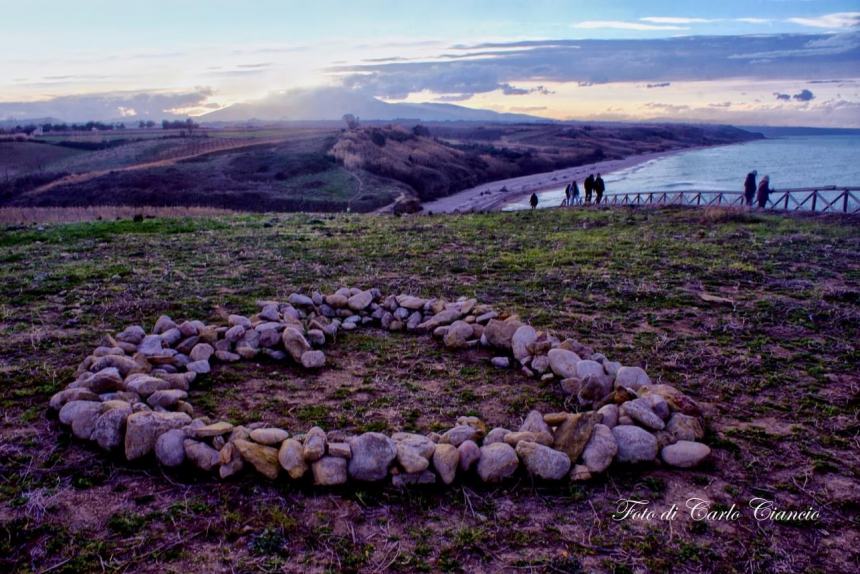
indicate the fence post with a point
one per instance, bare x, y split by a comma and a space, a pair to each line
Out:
786, 201
845, 201
814, 199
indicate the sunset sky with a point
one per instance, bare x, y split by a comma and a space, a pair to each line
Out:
789, 62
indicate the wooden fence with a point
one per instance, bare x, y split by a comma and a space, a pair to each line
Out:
821, 199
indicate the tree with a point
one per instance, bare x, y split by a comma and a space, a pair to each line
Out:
351, 120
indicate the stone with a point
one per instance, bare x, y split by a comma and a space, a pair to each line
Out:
635, 444
659, 405
515, 438
594, 388
410, 459
125, 365
263, 458
145, 385
105, 380
291, 458
316, 337
81, 416
151, 345
588, 368
227, 356
685, 454
313, 359
66, 395
133, 334
201, 352
460, 433
446, 459
474, 422
164, 323
329, 471
110, 426
339, 449
169, 447
410, 479
421, 443
542, 461
640, 411
496, 435
372, 452
500, 333
457, 335
413, 321
337, 301
555, 419
498, 462
685, 427
167, 398
269, 436
231, 460
500, 362
540, 364
171, 336
315, 444
534, 423
215, 429
571, 386
411, 302
608, 414
631, 377
574, 433
360, 301
295, 343
201, 454
470, 453
240, 320
563, 362
199, 367
600, 450
143, 429
677, 400
580, 473
522, 340
300, 300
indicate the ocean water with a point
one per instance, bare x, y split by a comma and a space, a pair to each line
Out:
791, 162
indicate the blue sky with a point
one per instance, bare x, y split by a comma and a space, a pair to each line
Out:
192, 56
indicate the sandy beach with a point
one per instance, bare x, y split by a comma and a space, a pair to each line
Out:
496, 194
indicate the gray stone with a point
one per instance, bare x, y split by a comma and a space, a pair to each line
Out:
291, 458
635, 444
295, 343
685, 427
470, 453
563, 362
410, 479
110, 425
410, 459
500, 333
360, 301
371, 454
457, 335
263, 458
631, 377
600, 450
446, 459
169, 447
500, 362
460, 433
609, 414
315, 444
300, 300
589, 368
540, 364
143, 429
534, 423
313, 359
640, 411
685, 454
199, 367
521, 342
329, 471
81, 416
542, 461
496, 435
498, 462
269, 436
201, 454
424, 445
167, 398
201, 352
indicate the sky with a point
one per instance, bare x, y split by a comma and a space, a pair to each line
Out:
749, 62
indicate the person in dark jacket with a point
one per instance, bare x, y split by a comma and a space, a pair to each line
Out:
763, 192
533, 200
574, 193
588, 184
750, 187
566, 201
599, 188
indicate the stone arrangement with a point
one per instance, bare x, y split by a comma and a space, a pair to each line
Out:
131, 395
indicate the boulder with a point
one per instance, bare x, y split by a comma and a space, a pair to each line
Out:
110, 425
522, 340
589, 368
457, 335
360, 301
315, 444
685, 454
563, 362
329, 471
295, 343
291, 458
498, 462
600, 450
143, 429
170, 448
469, 453
499, 334
496, 435
201, 454
81, 416
631, 377
76, 394
372, 453
201, 352
640, 411
424, 445
609, 414
685, 427
313, 359
534, 423
269, 436
410, 459
461, 433
542, 461
446, 459
166, 399
635, 444
573, 434
263, 458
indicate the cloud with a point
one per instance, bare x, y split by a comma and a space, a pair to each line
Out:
783, 97
675, 20
109, 105
753, 20
804, 96
833, 21
623, 25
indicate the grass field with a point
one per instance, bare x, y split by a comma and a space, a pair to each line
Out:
775, 369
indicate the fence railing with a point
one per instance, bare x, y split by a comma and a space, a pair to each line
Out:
820, 199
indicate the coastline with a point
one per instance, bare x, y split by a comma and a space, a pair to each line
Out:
494, 195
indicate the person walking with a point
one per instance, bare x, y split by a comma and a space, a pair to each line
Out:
588, 184
750, 187
566, 201
763, 192
599, 188
533, 200
574, 193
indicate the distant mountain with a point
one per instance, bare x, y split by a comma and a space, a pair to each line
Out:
12, 122
332, 103
785, 131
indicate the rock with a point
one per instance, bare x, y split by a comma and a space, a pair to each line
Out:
515, 438
166, 399
473, 422
201, 352
460, 433
580, 473
125, 365
169, 447
534, 423
133, 334
540, 364
421, 443
270, 313
329, 471
81, 416
659, 405
227, 356
199, 367
563, 362
522, 340
483, 318
640, 411
68, 395
215, 429
457, 335
574, 433
608, 415
498, 462
410, 459
372, 452
299, 300
291, 458
555, 419
600, 450
164, 323
571, 386
410, 479
470, 453
313, 359
315, 443
104, 381
151, 345
685, 427
201, 454
295, 343
360, 301
231, 460
446, 459
631, 377
589, 368
337, 301
500, 333
594, 388
145, 385
634, 444
263, 458
685, 454
677, 400
496, 435
316, 337
500, 362
143, 429
410, 302
269, 436
110, 425
339, 449
413, 321
542, 461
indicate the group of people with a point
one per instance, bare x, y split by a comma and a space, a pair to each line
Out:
760, 193
593, 186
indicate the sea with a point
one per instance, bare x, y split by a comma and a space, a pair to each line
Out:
790, 161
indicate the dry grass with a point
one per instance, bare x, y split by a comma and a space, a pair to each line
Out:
34, 215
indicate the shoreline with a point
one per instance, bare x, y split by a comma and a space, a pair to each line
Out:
494, 195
